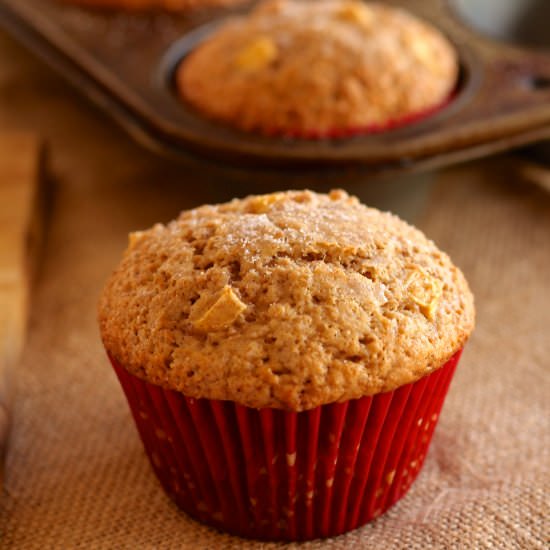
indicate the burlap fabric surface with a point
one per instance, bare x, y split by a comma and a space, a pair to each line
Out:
76, 474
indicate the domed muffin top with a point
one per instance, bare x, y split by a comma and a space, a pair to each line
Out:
323, 67
289, 300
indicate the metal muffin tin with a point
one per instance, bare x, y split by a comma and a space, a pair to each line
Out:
125, 62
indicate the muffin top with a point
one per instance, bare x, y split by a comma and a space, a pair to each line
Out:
289, 300
323, 67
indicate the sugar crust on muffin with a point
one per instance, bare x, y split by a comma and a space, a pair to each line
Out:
289, 300
299, 66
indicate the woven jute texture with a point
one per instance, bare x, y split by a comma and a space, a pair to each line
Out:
77, 476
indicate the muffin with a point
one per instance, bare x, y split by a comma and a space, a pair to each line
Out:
323, 68
285, 358
148, 5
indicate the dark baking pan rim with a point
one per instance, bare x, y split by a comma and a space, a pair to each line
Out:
476, 123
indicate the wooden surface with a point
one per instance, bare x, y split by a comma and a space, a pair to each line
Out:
19, 206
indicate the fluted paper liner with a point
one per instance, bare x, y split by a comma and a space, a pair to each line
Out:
278, 475
367, 129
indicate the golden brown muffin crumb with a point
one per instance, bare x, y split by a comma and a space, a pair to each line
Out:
322, 66
289, 300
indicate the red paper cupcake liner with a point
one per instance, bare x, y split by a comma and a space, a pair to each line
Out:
352, 131
278, 475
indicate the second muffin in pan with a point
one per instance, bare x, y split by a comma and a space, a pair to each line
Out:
324, 68
153, 5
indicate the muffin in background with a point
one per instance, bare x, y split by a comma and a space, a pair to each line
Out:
323, 68
285, 358
153, 5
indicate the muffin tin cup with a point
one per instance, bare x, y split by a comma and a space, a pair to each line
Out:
272, 474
